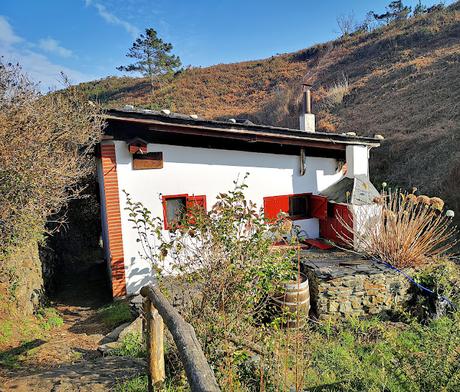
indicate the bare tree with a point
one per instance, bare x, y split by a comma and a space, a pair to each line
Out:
346, 24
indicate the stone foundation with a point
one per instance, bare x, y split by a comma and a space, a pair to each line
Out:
343, 285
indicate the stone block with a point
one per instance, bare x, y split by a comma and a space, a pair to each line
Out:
345, 307
333, 307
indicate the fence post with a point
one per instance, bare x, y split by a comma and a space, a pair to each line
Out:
154, 341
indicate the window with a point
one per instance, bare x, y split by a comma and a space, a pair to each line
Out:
176, 208
298, 206
295, 206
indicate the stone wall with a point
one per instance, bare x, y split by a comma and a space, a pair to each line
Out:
21, 280
340, 286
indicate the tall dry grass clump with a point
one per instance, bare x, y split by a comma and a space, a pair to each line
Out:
406, 231
337, 92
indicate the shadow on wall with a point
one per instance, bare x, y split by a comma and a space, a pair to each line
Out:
319, 174
138, 277
211, 157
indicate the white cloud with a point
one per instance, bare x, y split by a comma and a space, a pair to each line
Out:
39, 67
52, 46
7, 35
113, 19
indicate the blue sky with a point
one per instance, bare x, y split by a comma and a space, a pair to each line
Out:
87, 39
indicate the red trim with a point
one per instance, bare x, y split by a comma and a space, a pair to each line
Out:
331, 226
166, 224
199, 200
193, 203
113, 219
273, 205
318, 206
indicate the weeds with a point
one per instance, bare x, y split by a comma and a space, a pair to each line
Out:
132, 346
115, 314
49, 318
140, 384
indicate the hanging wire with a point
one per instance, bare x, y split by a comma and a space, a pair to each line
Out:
410, 279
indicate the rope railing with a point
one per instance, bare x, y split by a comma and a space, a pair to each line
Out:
157, 310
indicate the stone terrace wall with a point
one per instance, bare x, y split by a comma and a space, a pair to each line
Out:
344, 287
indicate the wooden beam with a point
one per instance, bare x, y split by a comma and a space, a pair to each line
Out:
155, 346
250, 137
199, 375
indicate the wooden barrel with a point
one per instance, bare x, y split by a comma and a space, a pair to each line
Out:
294, 304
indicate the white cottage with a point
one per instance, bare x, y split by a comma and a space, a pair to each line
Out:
164, 160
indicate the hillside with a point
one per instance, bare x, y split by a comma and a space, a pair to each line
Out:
403, 82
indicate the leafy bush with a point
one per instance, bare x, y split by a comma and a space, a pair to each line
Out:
226, 258
443, 278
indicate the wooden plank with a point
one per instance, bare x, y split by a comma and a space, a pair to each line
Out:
151, 160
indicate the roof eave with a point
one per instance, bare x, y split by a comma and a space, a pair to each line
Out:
229, 130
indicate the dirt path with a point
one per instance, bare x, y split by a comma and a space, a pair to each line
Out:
68, 360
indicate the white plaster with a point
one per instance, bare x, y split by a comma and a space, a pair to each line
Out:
307, 122
357, 157
366, 220
202, 171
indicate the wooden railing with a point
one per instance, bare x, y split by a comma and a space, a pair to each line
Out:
158, 309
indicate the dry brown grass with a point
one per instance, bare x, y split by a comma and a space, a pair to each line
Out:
45, 147
403, 81
404, 230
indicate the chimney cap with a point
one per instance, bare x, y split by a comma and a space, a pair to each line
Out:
306, 85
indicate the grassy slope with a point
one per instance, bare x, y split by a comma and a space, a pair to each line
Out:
405, 84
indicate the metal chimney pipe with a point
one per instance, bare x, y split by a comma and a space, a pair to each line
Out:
306, 101
307, 118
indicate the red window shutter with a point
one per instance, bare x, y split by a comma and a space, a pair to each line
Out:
318, 206
273, 205
341, 224
194, 203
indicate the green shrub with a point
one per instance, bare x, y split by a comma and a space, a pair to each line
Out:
443, 278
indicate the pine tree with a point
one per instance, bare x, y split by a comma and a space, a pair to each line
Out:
420, 8
154, 58
396, 10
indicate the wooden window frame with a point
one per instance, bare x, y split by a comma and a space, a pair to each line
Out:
189, 199
307, 200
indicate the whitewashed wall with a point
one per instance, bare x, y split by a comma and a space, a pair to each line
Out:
202, 171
